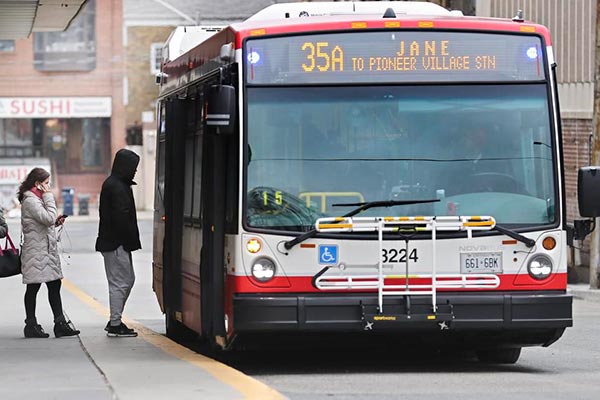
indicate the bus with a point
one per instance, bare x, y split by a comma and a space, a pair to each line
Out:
364, 168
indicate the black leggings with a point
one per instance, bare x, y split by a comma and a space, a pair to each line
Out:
53, 298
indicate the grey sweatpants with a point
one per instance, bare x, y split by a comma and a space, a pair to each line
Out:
120, 276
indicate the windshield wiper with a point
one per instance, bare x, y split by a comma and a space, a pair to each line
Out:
361, 207
528, 242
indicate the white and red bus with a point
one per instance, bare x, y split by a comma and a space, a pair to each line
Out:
364, 167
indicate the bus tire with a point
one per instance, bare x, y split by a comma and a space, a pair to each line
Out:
499, 355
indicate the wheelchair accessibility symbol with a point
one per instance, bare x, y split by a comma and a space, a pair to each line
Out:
328, 254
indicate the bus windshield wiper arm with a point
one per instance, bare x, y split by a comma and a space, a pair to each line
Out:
528, 242
361, 207
374, 204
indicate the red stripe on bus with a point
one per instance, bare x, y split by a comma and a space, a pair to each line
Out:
245, 284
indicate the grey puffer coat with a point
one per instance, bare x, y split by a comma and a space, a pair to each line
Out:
40, 261
3, 226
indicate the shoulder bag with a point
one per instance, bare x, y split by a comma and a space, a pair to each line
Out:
10, 259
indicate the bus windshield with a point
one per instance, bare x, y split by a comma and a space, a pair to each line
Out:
479, 149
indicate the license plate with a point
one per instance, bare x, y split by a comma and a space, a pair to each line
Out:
478, 263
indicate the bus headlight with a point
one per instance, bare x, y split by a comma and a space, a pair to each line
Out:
539, 267
263, 269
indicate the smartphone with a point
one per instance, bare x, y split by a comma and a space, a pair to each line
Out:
64, 216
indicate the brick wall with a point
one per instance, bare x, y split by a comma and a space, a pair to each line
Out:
105, 80
25, 80
576, 146
21, 79
142, 92
576, 135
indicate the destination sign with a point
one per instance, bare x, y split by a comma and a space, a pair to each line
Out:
393, 56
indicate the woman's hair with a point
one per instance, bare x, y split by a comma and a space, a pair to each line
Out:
36, 175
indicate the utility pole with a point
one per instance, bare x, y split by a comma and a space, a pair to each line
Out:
595, 149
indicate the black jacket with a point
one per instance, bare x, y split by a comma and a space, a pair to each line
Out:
118, 221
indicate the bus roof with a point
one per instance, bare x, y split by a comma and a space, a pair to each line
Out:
322, 16
185, 38
373, 8
329, 23
298, 17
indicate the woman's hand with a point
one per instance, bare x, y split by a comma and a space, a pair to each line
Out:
60, 220
45, 188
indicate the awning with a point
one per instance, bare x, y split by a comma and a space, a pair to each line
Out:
18, 18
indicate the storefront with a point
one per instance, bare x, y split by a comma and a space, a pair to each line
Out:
73, 133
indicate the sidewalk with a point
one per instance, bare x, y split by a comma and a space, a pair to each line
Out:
582, 291
94, 366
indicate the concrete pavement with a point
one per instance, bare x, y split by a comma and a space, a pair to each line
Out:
584, 292
94, 366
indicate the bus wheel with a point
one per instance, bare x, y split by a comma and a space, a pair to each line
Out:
499, 355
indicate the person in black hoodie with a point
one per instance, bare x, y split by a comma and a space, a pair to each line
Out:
118, 236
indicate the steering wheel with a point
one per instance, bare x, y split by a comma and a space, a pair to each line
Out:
494, 182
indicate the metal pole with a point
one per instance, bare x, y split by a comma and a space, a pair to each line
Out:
433, 267
380, 280
594, 240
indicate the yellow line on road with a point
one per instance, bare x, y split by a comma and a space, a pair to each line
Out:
249, 387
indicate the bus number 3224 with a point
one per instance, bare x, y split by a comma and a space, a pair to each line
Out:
391, 256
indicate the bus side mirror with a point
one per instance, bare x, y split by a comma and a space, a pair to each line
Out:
588, 195
221, 108
588, 191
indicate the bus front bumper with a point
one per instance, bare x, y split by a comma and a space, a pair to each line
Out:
541, 315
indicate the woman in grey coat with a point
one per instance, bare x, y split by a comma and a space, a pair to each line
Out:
3, 226
40, 261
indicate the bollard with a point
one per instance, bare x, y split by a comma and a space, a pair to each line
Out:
84, 204
67, 198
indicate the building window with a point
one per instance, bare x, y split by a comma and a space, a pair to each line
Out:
78, 144
71, 50
16, 138
7, 46
155, 57
74, 145
93, 137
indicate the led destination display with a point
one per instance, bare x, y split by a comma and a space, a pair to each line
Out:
398, 56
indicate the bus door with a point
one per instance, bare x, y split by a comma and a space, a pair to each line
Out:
186, 164
219, 174
198, 164
191, 159
174, 146
159, 209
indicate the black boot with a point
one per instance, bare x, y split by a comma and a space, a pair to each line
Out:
33, 330
64, 328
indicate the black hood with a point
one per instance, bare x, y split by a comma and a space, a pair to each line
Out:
125, 165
